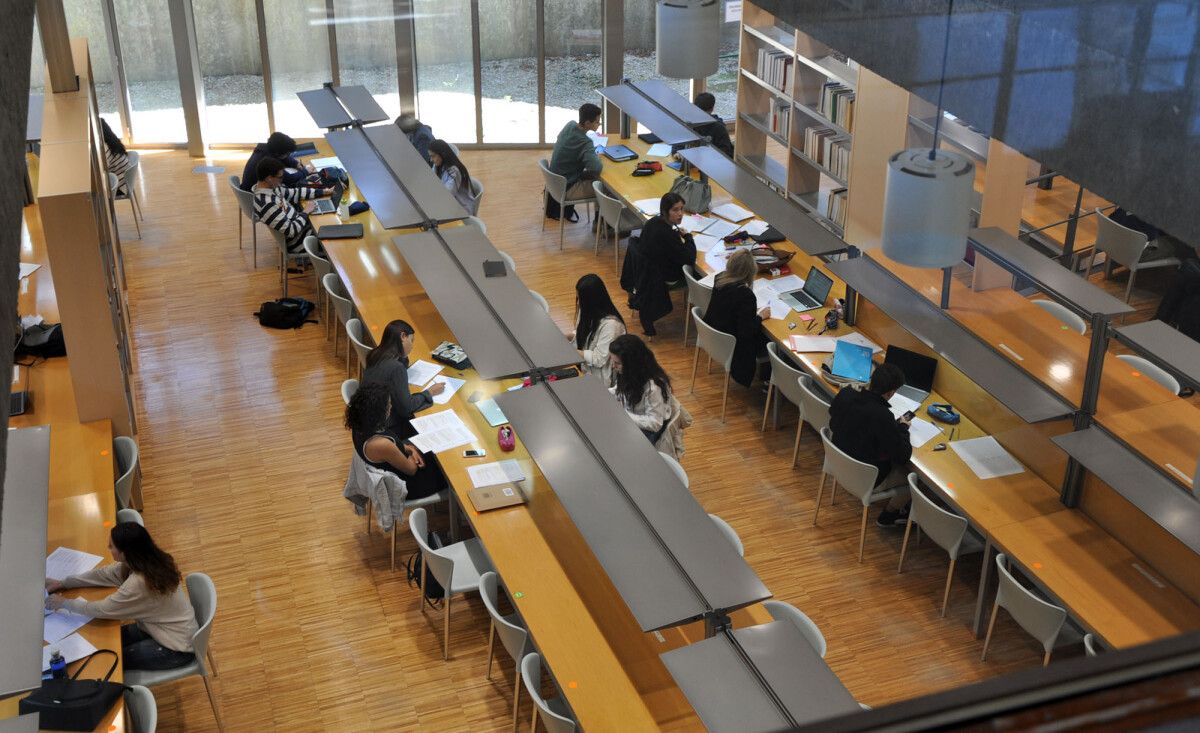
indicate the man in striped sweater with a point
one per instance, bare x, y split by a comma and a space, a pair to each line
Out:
274, 203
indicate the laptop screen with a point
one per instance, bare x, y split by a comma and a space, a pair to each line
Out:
851, 361
918, 369
817, 285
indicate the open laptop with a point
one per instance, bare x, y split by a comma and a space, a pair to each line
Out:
918, 372
329, 205
851, 361
812, 296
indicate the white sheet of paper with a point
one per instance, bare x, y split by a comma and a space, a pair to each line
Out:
755, 228
986, 457
716, 259
704, 242
732, 212
65, 562
721, 228
779, 309
786, 284
422, 371
499, 472
330, 162
649, 207
658, 150
437, 421
812, 343
73, 648
901, 404
920, 431
858, 338
452, 386
442, 440
598, 140
695, 223
27, 269
60, 624
762, 293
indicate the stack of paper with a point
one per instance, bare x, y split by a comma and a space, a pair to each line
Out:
732, 212
452, 386
755, 228
986, 457
786, 284
900, 404
695, 223
440, 431
858, 338
62, 623
421, 372
721, 228
491, 474
802, 344
65, 562
658, 150
72, 648
920, 431
649, 207
704, 242
330, 162
716, 258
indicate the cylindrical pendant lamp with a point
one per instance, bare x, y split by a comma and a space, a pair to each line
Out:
687, 38
927, 207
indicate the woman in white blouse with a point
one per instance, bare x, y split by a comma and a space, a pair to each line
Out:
453, 174
597, 323
640, 385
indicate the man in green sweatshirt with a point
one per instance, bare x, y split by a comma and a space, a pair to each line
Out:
575, 157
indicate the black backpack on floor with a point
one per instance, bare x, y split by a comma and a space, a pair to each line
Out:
434, 592
285, 313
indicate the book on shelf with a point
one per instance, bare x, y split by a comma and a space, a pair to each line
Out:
837, 104
775, 68
829, 148
835, 207
781, 117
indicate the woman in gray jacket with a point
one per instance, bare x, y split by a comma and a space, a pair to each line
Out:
597, 323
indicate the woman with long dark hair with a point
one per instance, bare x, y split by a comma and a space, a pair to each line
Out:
387, 364
640, 385
597, 323
733, 309
663, 249
149, 591
367, 421
116, 157
453, 174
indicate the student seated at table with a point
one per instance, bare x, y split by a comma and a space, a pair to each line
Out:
597, 323
734, 310
382, 448
453, 174
149, 593
116, 158
716, 129
864, 428
574, 156
417, 132
387, 364
653, 263
273, 204
644, 390
281, 148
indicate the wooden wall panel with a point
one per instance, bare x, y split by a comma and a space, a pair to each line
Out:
1003, 196
880, 131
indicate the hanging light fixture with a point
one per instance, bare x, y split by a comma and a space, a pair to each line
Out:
687, 38
927, 199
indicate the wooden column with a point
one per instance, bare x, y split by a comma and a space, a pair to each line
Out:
56, 46
191, 83
1003, 196
612, 58
880, 131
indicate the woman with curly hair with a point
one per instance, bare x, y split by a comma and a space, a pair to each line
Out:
640, 385
381, 447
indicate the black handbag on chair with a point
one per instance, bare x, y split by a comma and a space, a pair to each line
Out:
72, 703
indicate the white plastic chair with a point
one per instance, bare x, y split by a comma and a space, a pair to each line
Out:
286, 258
513, 637
814, 409
130, 195
785, 382
675, 466
1040, 619
556, 188
343, 308
349, 387
141, 709
125, 450
357, 334
1151, 370
387, 476
321, 268
245, 201
508, 260
476, 196
1123, 246
541, 300
730, 533
203, 595
613, 214
1064, 314
698, 296
556, 717
717, 345
475, 221
456, 567
948, 530
781, 611
130, 515
1089, 645
854, 476
113, 182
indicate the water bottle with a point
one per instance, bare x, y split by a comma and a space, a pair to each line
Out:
58, 665
344, 208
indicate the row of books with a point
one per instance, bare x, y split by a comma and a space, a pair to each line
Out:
837, 103
828, 148
835, 207
775, 68
780, 118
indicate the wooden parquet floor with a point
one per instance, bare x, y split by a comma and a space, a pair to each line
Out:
244, 458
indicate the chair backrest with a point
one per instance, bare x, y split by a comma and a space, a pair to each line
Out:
541, 300
556, 185
698, 294
440, 565
1040, 619
358, 336
113, 183
141, 708
514, 638
337, 296
814, 410
854, 476
785, 377
676, 467
945, 528
610, 206
130, 515
785, 611
717, 344
475, 221
126, 451
729, 532
531, 674
135, 160
508, 260
349, 387
1149, 369
1064, 314
476, 195
1124, 245
1089, 645
203, 595
320, 264
245, 199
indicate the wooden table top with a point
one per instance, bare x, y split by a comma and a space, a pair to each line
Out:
1167, 434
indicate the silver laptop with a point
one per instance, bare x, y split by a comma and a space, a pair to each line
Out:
329, 205
812, 296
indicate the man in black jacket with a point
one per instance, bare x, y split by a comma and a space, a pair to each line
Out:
716, 129
863, 427
282, 148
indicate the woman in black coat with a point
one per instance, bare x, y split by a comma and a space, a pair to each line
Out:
664, 249
734, 310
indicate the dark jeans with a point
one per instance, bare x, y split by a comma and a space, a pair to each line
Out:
139, 650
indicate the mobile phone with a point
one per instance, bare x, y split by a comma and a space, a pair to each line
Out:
907, 415
474, 453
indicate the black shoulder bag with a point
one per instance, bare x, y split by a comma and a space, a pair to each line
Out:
72, 703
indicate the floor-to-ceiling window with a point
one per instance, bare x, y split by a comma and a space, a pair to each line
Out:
366, 44
231, 64
298, 45
445, 69
574, 42
508, 51
156, 112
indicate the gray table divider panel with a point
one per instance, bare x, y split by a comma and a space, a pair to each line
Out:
21, 723
360, 104
391, 204
674, 103
643, 572
1158, 497
1172, 349
712, 562
23, 532
492, 352
33, 119
424, 188
324, 108
728, 695
1050, 277
666, 127
1007, 382
785, 216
